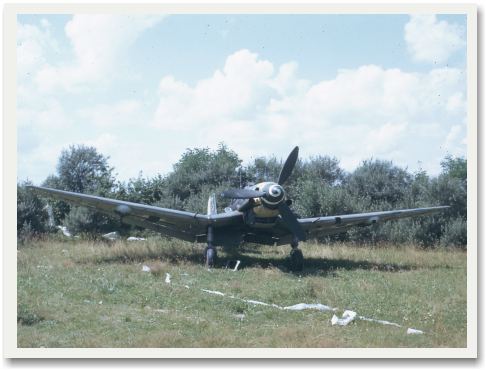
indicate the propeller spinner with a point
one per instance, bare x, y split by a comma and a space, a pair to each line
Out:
272, 195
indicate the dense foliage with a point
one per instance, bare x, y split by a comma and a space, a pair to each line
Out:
318, 186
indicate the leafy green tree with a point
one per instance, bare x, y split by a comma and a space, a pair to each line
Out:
82, 169
318, 186
199, 167
32, 215
262, 169
324, 169
380, 181
455, 167
143, 190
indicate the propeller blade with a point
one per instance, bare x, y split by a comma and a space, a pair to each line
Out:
288, 167
242, 193
291, 221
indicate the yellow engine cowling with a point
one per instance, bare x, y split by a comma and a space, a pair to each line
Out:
264, 212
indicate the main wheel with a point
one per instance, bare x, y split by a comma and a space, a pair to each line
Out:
297, 260
210, 257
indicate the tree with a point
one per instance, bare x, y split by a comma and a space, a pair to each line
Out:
455, 167
380, 181
262, 169
32, 215
322, 168
198, 167
82, 169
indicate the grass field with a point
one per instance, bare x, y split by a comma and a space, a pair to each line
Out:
94, 294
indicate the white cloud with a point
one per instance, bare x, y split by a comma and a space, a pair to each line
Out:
235, 92
98, 43
47, 114
33, 43
430, 40
124, 112
366, 112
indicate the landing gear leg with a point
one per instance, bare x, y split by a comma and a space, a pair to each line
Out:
210, 251
296, 257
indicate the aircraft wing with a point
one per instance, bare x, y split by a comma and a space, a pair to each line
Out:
180, 224
337, 224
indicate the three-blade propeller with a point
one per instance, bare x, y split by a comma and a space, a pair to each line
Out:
287, 215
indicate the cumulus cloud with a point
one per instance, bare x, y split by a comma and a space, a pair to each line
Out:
120, 113
361, 113
33, 43
98, 42
431, 40
234, 92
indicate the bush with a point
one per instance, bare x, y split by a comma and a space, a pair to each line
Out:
454, 233
317, 187
32, 216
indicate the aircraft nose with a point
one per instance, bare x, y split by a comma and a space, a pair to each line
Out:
275, 190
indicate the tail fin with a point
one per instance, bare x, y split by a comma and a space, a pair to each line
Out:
212, 205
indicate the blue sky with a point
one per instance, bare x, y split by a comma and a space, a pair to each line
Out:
143, 88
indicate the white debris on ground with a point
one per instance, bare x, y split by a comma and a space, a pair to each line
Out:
259, 303
414, 331
213, 292
383, 322
233, 265
65, 231
134, 238
114, 235
347, 317
307, 306
145, 268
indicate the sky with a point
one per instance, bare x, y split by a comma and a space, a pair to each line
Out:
144, 88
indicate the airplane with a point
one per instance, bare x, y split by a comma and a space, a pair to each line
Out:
258, 213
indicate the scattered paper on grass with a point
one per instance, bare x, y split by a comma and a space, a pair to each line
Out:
414, 331
257, 302
65, 231
383, 322
114, 235
168, 278
146, 268
347, 317
213, 292
307, 306
232, 265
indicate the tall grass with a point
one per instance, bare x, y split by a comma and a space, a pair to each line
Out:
80, 293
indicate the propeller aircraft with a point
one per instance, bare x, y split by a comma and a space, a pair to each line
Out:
259, 214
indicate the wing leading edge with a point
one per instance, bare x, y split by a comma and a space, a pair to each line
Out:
180, 224
337, 224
